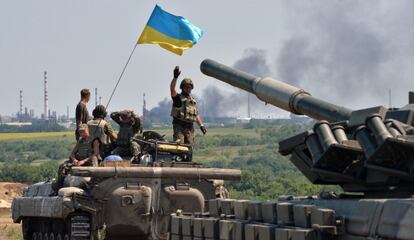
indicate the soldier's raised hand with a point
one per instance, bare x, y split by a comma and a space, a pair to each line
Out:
203, 129
177, 71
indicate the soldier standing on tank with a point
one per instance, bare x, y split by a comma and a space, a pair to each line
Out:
129, 126
184, 110
82, 114
101, 135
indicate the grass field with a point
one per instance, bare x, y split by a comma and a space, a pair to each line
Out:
164, 131
8, 230
35, 135
213, 131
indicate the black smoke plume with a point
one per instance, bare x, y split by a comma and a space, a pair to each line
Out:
349, 52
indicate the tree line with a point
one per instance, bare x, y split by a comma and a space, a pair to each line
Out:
265, 173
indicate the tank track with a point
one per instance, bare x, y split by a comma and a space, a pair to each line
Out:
229, 219
77, 227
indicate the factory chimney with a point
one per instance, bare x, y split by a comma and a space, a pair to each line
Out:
96, 97
144, 108
248, 106
21, 103
46, 99
67, 112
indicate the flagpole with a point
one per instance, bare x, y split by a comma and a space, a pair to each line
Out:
122, 73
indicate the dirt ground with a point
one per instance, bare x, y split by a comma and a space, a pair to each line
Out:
8, 191
8, 230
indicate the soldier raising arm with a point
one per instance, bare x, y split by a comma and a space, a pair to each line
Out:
184, 110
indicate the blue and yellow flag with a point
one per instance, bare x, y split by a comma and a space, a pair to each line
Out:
171, 32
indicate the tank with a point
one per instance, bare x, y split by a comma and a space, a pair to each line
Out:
369, 153
121, 200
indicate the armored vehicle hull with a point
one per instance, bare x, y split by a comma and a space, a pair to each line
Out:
132, 202
300, 219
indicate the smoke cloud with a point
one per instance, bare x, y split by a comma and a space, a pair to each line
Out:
219, 103
346, 52
349, 52
161, 112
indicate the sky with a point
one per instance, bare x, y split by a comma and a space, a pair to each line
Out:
348, 52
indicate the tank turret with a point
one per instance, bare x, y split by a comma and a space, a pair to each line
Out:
368, 150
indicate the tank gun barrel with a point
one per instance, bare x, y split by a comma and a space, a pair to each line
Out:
277, 93
158, 172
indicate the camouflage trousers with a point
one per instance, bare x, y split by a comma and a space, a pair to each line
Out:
63, 171
134, 149
183, 133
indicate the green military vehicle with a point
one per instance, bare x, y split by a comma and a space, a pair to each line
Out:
368, 152
121, 200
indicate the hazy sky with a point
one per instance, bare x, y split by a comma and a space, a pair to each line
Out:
85, 44
334, 49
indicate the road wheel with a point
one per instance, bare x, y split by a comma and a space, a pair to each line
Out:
59, 236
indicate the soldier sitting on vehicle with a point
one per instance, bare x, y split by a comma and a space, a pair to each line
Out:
101, 135
129, 126
80, 156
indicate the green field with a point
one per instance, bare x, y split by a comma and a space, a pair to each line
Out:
36, 135
266, 174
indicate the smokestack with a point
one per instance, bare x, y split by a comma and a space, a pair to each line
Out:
144, 108
389, 98
248, 106
21, 103
96, 97
67, 112
46, 99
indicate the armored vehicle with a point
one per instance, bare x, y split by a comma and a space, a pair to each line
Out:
121, 200
368, 152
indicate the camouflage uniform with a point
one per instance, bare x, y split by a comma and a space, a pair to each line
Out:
184, 113
84, 151
124, 143
101, 130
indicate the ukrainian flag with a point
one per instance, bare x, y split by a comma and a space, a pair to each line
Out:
171, 32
